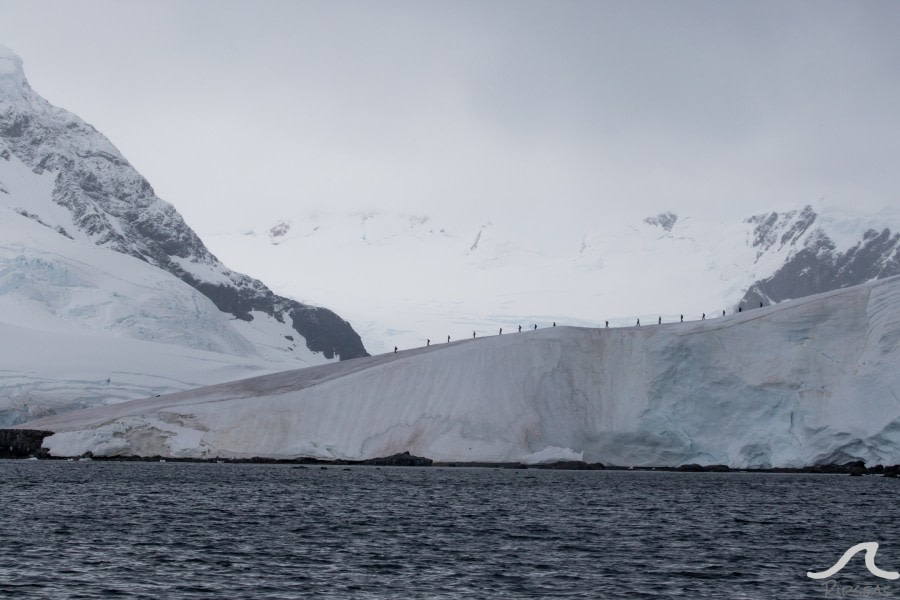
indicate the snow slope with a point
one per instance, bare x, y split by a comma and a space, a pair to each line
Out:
62, 173
403, 279
809, 381
74, 315
105, 293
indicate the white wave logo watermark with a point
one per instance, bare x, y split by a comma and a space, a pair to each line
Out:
870, 548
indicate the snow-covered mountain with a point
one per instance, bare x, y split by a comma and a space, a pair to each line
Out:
819, 258
804, 382
426, 277
82, 325
105, 292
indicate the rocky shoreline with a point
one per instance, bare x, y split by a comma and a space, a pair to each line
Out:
26, 443
23, 443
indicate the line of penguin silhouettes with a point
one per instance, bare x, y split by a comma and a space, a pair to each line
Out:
474, 334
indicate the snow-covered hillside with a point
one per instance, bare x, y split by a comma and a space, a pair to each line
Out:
62, 173
808, 381
81, 325
403, 279
105, 293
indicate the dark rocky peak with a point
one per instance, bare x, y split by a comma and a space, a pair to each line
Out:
664, 220
278, 231
818, 266
876, 256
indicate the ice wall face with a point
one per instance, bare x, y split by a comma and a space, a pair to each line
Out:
806, 382
108, 203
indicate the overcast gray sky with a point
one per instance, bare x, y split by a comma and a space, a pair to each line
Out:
234, 109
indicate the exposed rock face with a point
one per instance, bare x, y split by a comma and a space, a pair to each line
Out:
115, 207
780, 229
21, 443
664, 220
815, 265
403, 459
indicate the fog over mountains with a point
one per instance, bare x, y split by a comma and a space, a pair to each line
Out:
403, 279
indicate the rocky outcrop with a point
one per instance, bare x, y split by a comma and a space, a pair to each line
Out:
780, 229
21, 443
403, 459
665, 220
695, 468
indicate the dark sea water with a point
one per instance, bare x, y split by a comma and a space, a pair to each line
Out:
176, 530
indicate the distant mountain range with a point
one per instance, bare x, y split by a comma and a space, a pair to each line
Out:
426, 277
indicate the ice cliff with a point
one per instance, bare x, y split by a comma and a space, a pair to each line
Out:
805, 382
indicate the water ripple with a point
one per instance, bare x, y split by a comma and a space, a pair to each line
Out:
174, 530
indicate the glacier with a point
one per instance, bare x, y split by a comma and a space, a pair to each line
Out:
804, 382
